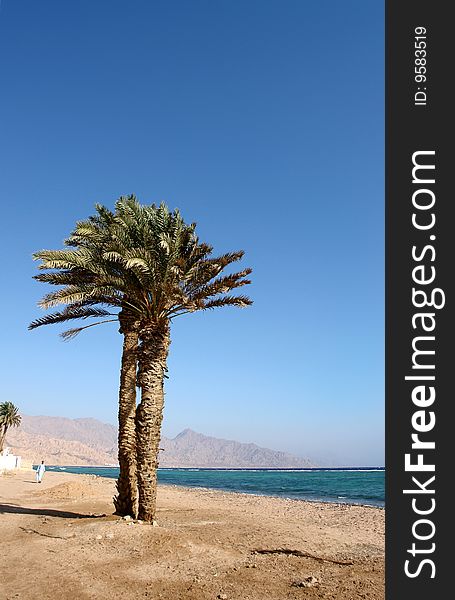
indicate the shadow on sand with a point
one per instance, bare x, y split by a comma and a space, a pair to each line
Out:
46, 512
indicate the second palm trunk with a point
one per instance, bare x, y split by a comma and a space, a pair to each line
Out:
153, 351
126, 500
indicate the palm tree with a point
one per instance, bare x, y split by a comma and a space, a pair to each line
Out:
181, 278
155, 264
9, 417
87, 275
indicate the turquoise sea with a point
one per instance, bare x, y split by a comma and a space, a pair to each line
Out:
345, 485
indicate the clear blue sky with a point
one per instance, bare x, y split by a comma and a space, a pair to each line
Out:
262, 121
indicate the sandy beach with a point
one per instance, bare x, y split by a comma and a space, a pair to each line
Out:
60, 540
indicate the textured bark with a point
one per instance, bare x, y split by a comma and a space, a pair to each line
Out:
2, 437
153, 351
126, 500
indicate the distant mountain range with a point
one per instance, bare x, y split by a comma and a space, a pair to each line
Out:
62, 441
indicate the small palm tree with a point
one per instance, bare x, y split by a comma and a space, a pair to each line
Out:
152, 266
9, 417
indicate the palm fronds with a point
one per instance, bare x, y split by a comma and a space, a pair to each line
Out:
142, 259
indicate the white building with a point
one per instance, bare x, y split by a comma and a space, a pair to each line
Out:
9, 462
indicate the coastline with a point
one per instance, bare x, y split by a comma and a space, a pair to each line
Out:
264, 495
268, 486
203, 547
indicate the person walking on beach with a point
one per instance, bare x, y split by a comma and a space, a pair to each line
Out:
40, 472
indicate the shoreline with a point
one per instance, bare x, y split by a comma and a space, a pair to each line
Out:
258, 495
372, 504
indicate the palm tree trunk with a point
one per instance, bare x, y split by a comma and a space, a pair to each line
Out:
2, 436
153, 353
126, 500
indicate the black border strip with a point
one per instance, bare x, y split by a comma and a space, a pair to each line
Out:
422, 123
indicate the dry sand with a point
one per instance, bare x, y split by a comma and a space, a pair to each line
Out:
55, 545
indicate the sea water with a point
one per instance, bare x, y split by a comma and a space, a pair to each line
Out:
343, 485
